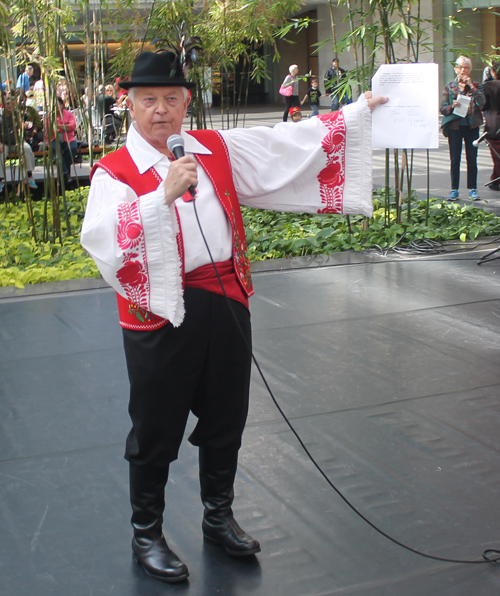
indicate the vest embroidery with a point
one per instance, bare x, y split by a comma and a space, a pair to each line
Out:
332, 178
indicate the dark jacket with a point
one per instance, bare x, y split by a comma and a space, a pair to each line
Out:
474, 114
330, 79
492, 109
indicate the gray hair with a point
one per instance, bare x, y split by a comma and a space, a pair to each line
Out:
461, 59
291, 67
131, 93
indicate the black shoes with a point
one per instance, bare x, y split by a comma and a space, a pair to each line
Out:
149, 547
227, 533
217, 472
494, 187
158, 560
147, 497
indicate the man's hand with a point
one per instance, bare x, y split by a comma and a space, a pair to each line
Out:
373, 102
181, 175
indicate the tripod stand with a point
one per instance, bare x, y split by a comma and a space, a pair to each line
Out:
488, 257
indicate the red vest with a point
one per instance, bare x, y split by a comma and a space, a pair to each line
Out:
120, 166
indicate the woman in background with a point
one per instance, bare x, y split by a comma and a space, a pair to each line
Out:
463, 129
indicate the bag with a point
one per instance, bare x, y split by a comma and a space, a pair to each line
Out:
286, 91
445, 123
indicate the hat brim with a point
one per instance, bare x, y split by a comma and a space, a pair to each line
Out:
159, 81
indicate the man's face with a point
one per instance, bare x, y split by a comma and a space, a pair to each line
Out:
7, 107
335, 63
158, 112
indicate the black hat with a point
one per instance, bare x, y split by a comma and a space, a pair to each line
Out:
162, 69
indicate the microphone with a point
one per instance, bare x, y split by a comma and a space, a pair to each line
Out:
175, 144
477, 141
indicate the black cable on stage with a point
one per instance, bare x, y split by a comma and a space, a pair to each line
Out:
486, 554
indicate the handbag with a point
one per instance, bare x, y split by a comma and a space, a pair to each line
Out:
445, 123
286, 91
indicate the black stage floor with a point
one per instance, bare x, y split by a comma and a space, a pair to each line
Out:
389, 371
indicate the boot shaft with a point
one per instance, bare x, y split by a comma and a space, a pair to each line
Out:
147, 497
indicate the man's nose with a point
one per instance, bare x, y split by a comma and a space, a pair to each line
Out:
162, 106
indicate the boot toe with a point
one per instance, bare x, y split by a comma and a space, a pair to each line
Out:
159, 561
229, 535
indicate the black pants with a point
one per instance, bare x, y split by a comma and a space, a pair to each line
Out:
291, 101
455, 140
201, 366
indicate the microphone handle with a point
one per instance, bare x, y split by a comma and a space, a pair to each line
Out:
178, 152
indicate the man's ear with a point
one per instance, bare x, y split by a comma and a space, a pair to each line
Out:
186, 104
130, 106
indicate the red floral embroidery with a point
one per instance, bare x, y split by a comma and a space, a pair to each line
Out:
332, 178
129, 227
133, 276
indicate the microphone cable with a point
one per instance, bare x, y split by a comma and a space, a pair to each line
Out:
489, 555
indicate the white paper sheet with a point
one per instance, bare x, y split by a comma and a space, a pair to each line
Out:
461, 110
410, 119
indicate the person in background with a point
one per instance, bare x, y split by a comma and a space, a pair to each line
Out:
314, 95
105, 100
66, 126
489, 72
62, 91
293, 99
10, 135
23, 80
492, 125
39, 95
333, 76
33, 127
463, 129
295, 114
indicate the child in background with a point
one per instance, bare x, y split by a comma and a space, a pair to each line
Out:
295, 114
314, 95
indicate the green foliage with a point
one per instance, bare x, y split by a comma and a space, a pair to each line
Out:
23, 261
273, 235
270, 235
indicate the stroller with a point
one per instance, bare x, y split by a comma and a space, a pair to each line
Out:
112, 126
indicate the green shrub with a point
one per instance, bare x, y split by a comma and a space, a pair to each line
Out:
270, 235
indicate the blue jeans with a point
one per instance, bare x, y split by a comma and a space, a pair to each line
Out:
315, 110
455, 140
69, 152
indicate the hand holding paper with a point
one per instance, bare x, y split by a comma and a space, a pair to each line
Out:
463, 106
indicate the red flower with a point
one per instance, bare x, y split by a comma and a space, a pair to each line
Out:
128, 234
331, 176
333, 142
131, 274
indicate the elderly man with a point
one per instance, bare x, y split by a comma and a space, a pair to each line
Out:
183, 348
10, 136
24, 79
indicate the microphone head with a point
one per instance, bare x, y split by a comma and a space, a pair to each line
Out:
174, 141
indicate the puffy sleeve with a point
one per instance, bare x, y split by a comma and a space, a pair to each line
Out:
133, 241
320, 165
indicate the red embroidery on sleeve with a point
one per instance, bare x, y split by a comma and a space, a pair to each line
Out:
133, 276
332, 178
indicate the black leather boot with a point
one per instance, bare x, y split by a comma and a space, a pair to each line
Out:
149, 547
217, 472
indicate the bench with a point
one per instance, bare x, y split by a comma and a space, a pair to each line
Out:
80, 151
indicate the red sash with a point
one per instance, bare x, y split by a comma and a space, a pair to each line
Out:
133, 275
